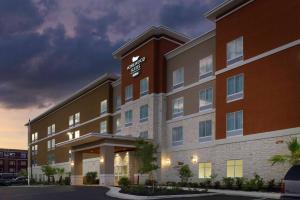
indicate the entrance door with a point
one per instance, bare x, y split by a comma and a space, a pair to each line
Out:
121, 168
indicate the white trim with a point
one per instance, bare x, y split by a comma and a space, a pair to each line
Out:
258, 57
180, 118
201, 81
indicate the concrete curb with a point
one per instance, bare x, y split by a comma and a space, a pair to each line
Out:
115, 192
271, 195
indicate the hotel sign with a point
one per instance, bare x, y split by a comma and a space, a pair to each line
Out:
135, 66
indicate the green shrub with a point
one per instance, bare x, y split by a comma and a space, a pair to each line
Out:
171, 183
239, 182
185, 173
150, 182
67, 180
217, 184
124, 182
228, 182
91, 177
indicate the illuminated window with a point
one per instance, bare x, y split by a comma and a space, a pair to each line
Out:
205, 170
34, 136
235, 51
206, 66
77, 134
178, 78
71, 120
103, 107
234, 168
144, 86
205, 101
177, 107
103, 127
118, 124
51, 129
77, 118
128, 93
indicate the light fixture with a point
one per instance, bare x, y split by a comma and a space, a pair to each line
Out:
194, 159
168, 161
101, 159
72, 163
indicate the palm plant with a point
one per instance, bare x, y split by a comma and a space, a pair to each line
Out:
60, 172
293, 158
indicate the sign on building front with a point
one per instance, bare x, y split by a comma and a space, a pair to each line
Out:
135, 66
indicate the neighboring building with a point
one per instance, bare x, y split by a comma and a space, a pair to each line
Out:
223, 103
12, 161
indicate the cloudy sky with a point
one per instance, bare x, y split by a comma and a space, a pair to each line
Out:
51, 48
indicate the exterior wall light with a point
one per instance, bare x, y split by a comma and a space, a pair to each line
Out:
72, 163
194, 159
168, 161
101, 159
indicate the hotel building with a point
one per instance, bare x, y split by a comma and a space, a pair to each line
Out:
223, 102
12, 161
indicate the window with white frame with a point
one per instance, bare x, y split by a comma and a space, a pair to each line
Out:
205, 131
77, 134
118, 102
206, 67
235, 51
103, 127
34, 149
103, 107
205, 170
235, 87
71, 120
178, 78
177, 136
144, 113
234, 168
144, 86
144, 135
128, 92
234, 123
51, 129
51, 159
128, 118
206, 99
73, 134
77, 118
51, 144
34, 136
118, 124
177, 107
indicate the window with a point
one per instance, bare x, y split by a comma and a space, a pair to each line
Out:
103, 127
1, 162
103, 107
234, 168
34, 149
205, 131
51, 144
1, 154
206, 67
12, 163
51, 129
73, 135
34, 137
71, 120
77, 134
23, 155
178, 78
234, 123
235, 51
77, 118
118, 124
11, 170
177, 136
118, 102
144, 134
128, 93
205, 101
144, 86
235, 87
128, 118
51, 159
205, 170
144, 113
177, 107
23, 163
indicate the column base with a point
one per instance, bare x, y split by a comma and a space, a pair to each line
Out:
106, 179
76, 180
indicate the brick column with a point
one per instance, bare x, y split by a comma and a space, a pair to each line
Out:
107, 156
76, 168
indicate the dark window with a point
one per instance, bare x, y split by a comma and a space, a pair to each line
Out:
293, 174
1, 154
23, 155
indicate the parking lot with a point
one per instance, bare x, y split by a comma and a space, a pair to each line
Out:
80, 193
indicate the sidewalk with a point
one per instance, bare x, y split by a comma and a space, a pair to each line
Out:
271, 195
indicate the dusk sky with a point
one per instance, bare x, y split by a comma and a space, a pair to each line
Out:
51, 48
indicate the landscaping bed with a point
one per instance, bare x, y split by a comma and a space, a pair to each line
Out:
141, 190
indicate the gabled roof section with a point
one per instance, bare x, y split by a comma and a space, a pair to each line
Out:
102, 79
150, 32
224, 8
190, 44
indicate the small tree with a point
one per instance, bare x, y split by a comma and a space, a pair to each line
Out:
60, 172
185, 173
91, 177
48, 171
23, 172
293, 158
146, 155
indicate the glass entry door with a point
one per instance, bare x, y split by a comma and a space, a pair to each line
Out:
121, 166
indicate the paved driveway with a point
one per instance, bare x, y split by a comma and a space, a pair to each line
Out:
80, 193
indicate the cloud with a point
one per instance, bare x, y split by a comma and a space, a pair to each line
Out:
50, 48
